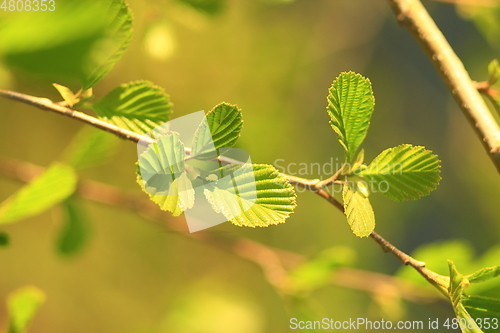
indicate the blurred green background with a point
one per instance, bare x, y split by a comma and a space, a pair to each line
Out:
275, 59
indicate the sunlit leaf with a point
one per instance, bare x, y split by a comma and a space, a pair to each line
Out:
74, 233
357, 208
220, 130
404, 172
136, 106
162, 174
22, 305
350, 106
53, 186
251, 195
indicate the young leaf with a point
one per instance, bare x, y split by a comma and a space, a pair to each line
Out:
456, 294
404, 172
494, 71
220, 130
357, 208
89, 147
56, 184
251, 195
162, 174
66, 93
22, 305
350, 106
484, 274
137, 106
74, 233
110, 49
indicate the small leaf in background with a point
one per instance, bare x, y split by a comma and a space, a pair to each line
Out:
22, 304
251, 195
220, 130
435, 256
136, 106
318, 271
56, 184
162, 174
350, 106
76, 43
109, 50
404, 172
75, 230
208, 7
494, 72
357, 208
4, 239
67, 95
89, 147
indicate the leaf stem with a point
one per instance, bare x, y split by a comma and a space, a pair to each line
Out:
413, 15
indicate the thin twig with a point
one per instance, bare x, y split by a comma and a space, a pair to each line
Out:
309, 184
275, 263
413, 15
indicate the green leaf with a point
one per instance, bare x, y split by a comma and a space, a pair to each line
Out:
208, 7
136, 106
357, 207
162, 174
350, 106
251, 195
484, 274
404, 172
74, 233
4, 239
220, 130
89, 147
22, 305
494, 71
318, 271
485, 311
110, 49
78, 42
56, 184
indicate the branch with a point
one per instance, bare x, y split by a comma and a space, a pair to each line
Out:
413, 15
275, 263
309, 184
